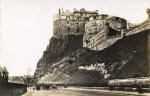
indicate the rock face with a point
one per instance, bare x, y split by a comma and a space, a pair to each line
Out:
57, 49
66, 61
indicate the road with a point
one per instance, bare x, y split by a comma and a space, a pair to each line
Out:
81, 92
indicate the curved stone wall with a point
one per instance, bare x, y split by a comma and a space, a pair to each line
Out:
96, 24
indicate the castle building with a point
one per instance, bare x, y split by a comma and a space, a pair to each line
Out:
96, 28
71, 22
101, 28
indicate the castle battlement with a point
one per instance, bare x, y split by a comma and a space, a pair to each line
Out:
104, 30
76, 14
94, 27
79, 21
102, 16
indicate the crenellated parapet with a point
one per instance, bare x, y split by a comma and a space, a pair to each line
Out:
75, 15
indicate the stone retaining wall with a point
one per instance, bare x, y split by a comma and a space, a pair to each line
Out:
12, 89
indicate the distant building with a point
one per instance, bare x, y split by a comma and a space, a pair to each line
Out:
3, 75
17, 79
26, 79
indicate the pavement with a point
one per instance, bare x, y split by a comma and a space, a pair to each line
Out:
109, 93
74, 91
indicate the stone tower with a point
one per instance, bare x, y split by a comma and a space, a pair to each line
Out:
66, 22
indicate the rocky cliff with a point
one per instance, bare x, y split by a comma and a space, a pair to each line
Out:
66, 61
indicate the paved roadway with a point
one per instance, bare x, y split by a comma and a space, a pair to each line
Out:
81, 92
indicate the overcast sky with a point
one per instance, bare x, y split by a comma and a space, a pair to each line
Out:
26, 26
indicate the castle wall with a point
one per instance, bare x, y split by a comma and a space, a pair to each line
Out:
95, 41
73, 27
12, 89
94, 26
88, 23
114, 22
71, 22
60, 27
117, 23
98, 25
101, 40
76, 27
141, 27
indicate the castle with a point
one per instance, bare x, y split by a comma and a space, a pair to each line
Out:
99, 30
94, 31
71, 22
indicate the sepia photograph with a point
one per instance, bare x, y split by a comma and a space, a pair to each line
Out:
74, 47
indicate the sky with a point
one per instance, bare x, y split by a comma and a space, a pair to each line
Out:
26, 26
